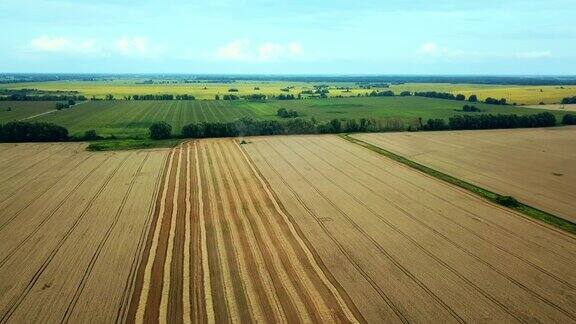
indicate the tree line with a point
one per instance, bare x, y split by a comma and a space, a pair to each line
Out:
490, 121
569, 100
387, 93
47, 97
569, 119
21, 131
286, 113
470, 108
251, 127
65, 105
161, 97
439, 95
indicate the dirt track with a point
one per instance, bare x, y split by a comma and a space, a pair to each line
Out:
71, 222
567, 108
537, 166
407, 247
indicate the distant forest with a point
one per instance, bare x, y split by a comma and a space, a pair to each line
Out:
216, 78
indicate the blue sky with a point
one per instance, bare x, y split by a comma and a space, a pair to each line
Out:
289, 37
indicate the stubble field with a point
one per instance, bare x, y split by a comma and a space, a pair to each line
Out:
72, 225
537, 166
282, 229
409, 248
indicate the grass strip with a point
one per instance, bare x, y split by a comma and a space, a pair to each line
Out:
132, 144
505, 201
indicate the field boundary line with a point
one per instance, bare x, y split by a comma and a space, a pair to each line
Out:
345, 308
536, 215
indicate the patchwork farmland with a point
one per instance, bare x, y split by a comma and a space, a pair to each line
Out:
281, 229
118, 87
124, 118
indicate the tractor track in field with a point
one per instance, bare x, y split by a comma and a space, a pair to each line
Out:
472, 214
6, 316
495, 274
284, 229
436, 258
48, 217
52, 186
101, 244
380, 248
470, 232
342, 249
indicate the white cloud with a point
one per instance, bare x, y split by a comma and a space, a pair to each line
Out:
236, 50
135, 46
534, 54
428, 48
63, 44
128, 46
243, 50
432, 49
273, 51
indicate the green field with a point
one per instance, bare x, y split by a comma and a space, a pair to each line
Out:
23, 109
132, 118
520, 94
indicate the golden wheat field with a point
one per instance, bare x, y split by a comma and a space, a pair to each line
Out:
281, 229
538, 166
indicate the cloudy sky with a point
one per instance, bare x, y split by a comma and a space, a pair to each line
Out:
289, 37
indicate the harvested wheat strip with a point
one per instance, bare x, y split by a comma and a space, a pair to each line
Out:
163, 314
186, 307
204, 257
294, 277
263, 274
285, 279
143, 300
229, 294
230, 211
240, 256
311, 259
